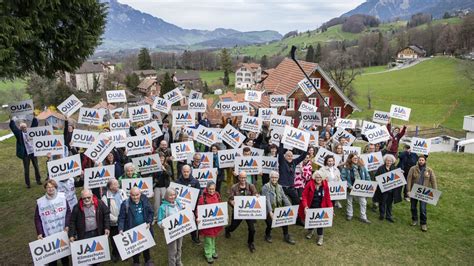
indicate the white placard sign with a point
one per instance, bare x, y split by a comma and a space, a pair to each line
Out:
50, 248
363, 188
197, 105
118, 137
83, 138
253, 96
138, 145
295, 138
350, 149
419, 145
225, 107
311, 118
134, 241
21, 108
251, 123
64, 168
161, 105
205, 175
400, 112
391, 180
318, 218
205, 135
183, 118
306, 87
90, 250
181, 150
251, 165
116, 96
207, 159
266, 113
341, 133
381, 117
322, 153
278, 100
366, 125
232, 136
278, 122
33, 132
90, 116
338, 190
250, 207
145, 184
148, 164
307, 108
119, 124
239, 109
377, 135
100, 148
98, 176
212, 215
188, 196
269, 163
226, 158
195, 95
173, 96
285, 216
253, 151
372, 161
151, 129
314, 138
178, 225
70, 105
53, 144
425, 194
139, 113
346, 123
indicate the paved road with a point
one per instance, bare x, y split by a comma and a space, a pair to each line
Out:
404, 66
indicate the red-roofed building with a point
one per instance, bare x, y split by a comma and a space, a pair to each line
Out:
52, 118
247, 75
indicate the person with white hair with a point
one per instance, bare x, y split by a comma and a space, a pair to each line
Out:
129, 172
387, 198
286, 168
25, 150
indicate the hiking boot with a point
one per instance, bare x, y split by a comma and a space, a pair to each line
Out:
196, 241
268, 238
227, 233
39, 182
310, 234
374, 208
414, 223
210, 260
252, 247
390, 219
215, 256
424, 228
366, 221
320, 241
381, 218
288, 239
349, 218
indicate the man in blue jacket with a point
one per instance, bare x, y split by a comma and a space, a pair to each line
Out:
286, 169
25, 150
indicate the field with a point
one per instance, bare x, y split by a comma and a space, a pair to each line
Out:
214, 78
435, 90
11, 91
448, 240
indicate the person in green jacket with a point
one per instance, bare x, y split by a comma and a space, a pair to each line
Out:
129, 170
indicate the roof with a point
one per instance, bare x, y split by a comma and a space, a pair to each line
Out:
465, 142
417, 49
90, 67
104, 105
250, 66
187, 75
45, 114
146, 83
146, 72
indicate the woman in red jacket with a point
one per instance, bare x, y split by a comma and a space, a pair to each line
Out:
315, 195
210, 196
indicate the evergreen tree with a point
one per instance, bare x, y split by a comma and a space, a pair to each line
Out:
205, 88
131, 81
226, 80
264, 61
226, 61
166, 84
317, 53
144, 60
310, 54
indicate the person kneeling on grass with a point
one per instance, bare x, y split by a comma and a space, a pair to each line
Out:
275, 197
315, 195
210, 196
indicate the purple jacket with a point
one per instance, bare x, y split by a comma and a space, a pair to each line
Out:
39, 224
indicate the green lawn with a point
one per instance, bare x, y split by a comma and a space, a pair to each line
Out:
373, 69
214, 78
448, 241
437, 93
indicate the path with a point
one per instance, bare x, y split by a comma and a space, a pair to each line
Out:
404, 66
2, 138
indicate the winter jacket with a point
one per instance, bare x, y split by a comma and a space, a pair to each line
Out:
250, 190
326, 174
414, 177
348, 174
308, 194
189, 182
286, 169
407, 161
77, 224
162, 178
124, 176
166, 210
206, 198
39, 224
109, 201
270, 195
20, 144
397, 192
126, 219
393, 149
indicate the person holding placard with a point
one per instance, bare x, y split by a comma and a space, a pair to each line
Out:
135, 211
315, 195
331, 173
387, 198
423, 175
161, 181
110, 160
68, 130
273, 153
130, 172
395, 138
339, 150
215, 164
243, 188
304, 171
188, 180
276, 198
167, 133
407, 159
25, 150
286, 169
210, 196
170, 206
353, 170
113, 199
52, 214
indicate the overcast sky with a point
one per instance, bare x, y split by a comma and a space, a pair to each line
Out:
245, 15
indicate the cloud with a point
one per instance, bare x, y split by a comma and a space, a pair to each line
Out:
245, 15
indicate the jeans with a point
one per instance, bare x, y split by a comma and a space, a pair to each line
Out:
362, 204
414, 214
268, 230
174, 252
319, 231
26, 168
250, 225
209, 247
64, 262
385, 206
146, 256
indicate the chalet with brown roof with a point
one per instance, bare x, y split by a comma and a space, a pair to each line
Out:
188, 79
52, 118
411, 52
147, 73
247, 75
149, 87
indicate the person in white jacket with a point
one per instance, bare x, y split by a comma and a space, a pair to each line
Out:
331, 173
113, 199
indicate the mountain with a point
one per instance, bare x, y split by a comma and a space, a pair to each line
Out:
128, 28
387, 10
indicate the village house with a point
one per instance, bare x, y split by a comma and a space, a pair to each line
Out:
90, 76
188, 79
51, 118
146, 74
149, 87
411, 52
247, 75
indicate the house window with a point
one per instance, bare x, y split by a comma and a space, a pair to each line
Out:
326, 101
291, 104
325, 121
312, 101
317, 82
337, 111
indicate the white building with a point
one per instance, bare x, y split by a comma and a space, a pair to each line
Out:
468, 125
247, 75
90, 74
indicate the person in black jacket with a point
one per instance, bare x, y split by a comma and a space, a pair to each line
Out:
25, 150
68, 130
161, 181
286, 169
407, 160
167, 133
387, 198
89, 218
187, 179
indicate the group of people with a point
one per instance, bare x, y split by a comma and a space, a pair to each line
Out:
299, 180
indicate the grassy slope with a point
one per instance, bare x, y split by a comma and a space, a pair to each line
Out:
450, 234
214, 78
434, 90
